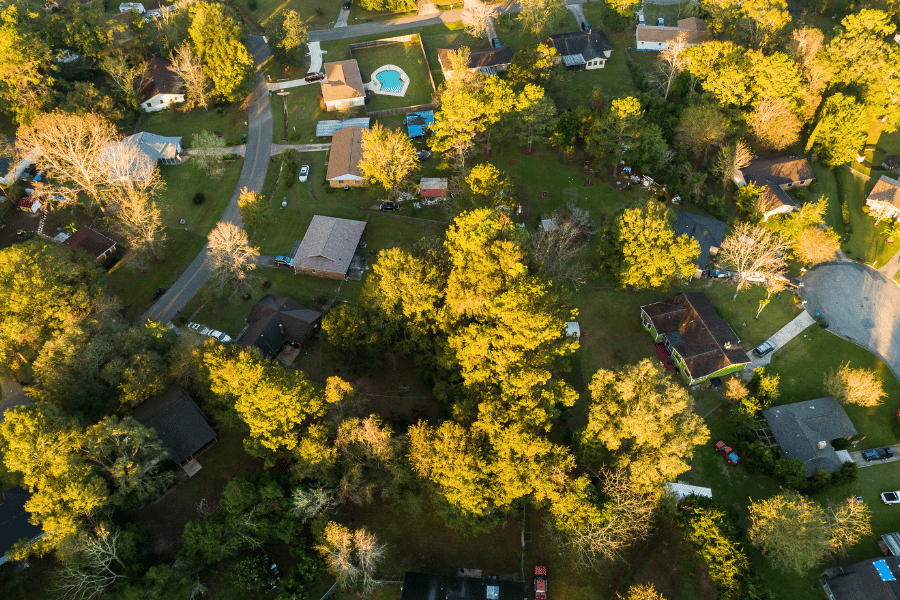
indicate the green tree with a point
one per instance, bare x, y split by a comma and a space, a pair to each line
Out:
764, 21
490, 186
722, 67
290, 34
353, 332
48, 290
388, 158
702, 128
25, 74
795, 533
217, 35
642, 250
535, 113
206, 151
647, 420
539, 64
536, 15
256, 211
840, 131
388, 5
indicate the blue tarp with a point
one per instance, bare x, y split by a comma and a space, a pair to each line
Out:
418, 122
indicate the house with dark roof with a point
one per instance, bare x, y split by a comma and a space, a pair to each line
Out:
708, 232
872, 579
775, 174
163, 87
328, 247
658, 37
93, 242
425, 586
179, 423
344, 157
581, 50
276, 320
698, 342
884, 199
342, 87
15, 521
489, 61
804, 430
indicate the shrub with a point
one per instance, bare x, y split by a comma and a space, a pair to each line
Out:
319, 11
802, 194
791, 472
230, 156
199, 198
759, 458
252, 4
849, 472
249, 573
840, 444
845, 217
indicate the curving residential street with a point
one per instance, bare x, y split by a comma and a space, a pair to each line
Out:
253, 173
859, 304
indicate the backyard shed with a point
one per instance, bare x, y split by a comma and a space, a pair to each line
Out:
573, 329
433, 187
178, 422
93, 242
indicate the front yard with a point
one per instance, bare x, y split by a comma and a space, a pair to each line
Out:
231, 122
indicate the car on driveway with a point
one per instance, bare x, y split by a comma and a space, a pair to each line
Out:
496, 43
314, 77
389, 206
729, 454
304, 173
540, 583
763, 349
284, 261
213, 333
346, 5
870, 455
885, 453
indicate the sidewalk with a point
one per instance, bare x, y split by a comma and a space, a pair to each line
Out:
892, 267
279, 148
781, 337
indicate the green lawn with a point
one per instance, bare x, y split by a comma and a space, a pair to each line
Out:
825, 186
741, 313
867, 241
409, 57
232, 124
307, 9
135, 287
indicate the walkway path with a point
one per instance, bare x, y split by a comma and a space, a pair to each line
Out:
253, 173
781, 337
279, 148
315, 57
859, 304
891, 267
427, 8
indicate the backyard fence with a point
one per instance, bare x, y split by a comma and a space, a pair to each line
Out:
400, 39
399, 111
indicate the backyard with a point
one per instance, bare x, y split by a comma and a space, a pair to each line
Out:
230, 122
410, 57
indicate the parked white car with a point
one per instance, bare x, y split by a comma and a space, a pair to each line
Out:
213, 333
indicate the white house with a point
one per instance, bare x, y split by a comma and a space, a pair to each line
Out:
342, 87
159, 149
135, 6
162, 89
884, 199
654, 37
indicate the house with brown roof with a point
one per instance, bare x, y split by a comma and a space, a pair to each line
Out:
163, 87
328, 247
275, 321
884, 199
344, 157
698, 342
658, 37
489, 61
582, 50
776, 174
342, 87
94, 243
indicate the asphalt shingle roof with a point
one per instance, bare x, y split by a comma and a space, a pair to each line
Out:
589, 45
329, 244
861, 581
178, 421
708, 232
276, 319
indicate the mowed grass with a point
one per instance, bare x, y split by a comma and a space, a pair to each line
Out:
409, 57
232, 124
867, 241
134, 286
308, 9
826, 189
741, 313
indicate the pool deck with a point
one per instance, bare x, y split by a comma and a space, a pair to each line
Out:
376, 86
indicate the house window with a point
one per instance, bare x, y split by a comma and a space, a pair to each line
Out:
802, 182
790, 185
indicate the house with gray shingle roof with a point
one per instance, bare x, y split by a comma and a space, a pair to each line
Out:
582, 50
804, 430
872, 579
178, 421
328, 247
275, 320
884, 199
708, 232
775, 174
658, 37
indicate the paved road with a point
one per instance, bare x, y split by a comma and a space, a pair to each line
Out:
253, 173
11, 396
859, 304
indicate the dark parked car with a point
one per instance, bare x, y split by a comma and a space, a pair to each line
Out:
284, 261
274, 577
424, 155
870, 455
763, 349
585, 26
389, 206
885, 453
346, 5
314, 77
159, 294
495, 42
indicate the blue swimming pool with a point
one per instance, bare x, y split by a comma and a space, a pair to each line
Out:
390, 81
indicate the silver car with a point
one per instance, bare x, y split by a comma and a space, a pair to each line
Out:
763, 349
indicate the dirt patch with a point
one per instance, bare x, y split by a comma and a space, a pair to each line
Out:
670, 563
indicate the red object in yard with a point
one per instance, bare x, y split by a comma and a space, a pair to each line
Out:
433, 187
540, 583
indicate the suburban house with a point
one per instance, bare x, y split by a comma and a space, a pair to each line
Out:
327, 128
179, 423
489, 61
328, 247
94, 243
275, 321
884, 199
804, 430
19, 169
342, 87
163, 87
708, 232
468, 585
658, 37
343, 161
433, 187
14, 520
776, 174
872, 579
582, 49
159, 149
699, 343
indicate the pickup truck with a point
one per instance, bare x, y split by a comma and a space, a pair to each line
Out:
890, 497
540, 583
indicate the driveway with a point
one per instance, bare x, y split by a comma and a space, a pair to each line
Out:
342, 18
11, 396
859, 304
253, 172
779, 339
575, 9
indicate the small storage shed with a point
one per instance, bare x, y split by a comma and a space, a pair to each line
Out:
573, 329
433, 187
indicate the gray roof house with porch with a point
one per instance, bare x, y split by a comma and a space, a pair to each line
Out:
178, 421
804, 430
275, 320
581, 50
328, 247
872, 579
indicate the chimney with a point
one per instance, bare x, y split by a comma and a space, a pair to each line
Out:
822, 444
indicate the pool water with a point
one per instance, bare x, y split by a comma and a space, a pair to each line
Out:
390, 81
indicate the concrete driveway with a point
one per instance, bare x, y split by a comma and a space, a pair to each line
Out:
859, 304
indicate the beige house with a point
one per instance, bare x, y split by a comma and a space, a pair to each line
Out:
343, 162
328, 247
163, 89
653, 37
777, 174
342, 87
884, 199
